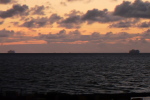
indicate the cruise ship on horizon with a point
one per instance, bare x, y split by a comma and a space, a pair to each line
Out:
11, 51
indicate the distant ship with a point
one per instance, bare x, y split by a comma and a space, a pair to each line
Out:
134, 51
11, 51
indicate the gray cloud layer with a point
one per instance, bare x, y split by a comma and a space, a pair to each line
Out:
95, 37
104, 41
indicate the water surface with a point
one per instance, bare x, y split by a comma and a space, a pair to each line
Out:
75, 73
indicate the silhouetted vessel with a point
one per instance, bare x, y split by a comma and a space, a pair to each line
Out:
134, 51
11, 51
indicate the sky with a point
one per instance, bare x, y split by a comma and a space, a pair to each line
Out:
74, 26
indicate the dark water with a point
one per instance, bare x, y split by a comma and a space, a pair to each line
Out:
75, 73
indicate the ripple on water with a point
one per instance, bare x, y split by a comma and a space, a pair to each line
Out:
76, 73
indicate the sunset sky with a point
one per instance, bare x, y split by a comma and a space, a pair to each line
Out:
76, 26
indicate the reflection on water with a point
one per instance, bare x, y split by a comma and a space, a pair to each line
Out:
76, 73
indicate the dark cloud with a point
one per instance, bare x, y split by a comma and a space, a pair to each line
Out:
123, 35
76, 18
73, 19
121, 24
71, 22
124, 23
64, 3
143, 40
6, 33
144, 25
15, 10
9, 36
146, 34
54, 18
1, 22
5, 1
119, 37
29, 24
73, 36
75, 33
95, 35
58, 37
40, 22
61, 34
15, 23
137, 9
38, 10
138, 42
73, 13
101, 16
35, 23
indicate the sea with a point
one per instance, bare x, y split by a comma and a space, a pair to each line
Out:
75, 73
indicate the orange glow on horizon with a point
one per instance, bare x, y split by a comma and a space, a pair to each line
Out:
25, 42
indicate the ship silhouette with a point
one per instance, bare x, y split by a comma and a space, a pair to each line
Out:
133, 51
11, 51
